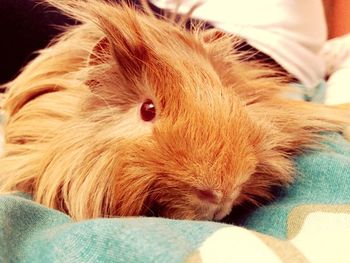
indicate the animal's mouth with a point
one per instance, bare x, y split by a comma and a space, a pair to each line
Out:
196, 208
219, 207
207, 213
221, 212
215, 212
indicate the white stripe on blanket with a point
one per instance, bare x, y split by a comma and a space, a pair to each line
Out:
325, 237
232, 244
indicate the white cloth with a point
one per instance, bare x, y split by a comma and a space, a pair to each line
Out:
338, 86
292, 32
336, 53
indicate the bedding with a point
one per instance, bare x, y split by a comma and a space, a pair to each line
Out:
309, 222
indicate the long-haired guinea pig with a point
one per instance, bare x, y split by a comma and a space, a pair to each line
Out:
126, 114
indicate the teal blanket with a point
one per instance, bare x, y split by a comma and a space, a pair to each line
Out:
283, 231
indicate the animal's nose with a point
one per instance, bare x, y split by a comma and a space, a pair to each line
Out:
208, 195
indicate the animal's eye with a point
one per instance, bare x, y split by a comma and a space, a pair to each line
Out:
148, 110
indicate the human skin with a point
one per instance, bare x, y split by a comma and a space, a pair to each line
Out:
338, 17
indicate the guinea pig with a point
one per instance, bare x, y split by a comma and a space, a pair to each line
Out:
127, 114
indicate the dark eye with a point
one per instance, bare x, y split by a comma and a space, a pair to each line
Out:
148, 110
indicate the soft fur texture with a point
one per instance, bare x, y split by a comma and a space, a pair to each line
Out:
76, 142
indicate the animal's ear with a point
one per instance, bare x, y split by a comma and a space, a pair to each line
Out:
99, 52
212, 35
130, 52
220, 43
121, 24
129, 47
220, 48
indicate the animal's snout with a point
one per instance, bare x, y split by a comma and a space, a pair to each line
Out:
208, 195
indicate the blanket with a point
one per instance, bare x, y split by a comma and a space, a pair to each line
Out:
309, 222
